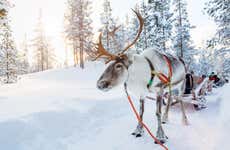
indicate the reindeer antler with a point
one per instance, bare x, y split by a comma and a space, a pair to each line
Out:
141, 22
112, 33
101, 51
2, 12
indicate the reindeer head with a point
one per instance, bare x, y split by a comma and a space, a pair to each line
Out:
117, 71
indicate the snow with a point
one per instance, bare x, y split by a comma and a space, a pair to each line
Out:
63, 110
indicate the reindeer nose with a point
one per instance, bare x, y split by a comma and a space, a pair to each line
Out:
103, 84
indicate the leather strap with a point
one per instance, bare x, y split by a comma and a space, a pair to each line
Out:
152, 75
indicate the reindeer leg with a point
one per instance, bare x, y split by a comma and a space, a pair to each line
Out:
139, 129
160, 132
165, 116
184, 117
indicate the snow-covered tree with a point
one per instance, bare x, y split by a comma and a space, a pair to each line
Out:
128, 27
78, 28
219, 10
43, 52
159, 24
108, 24
205, 62
8, 53
51, 59
142, 43
118, 40
23, 63
182, 38
4, 8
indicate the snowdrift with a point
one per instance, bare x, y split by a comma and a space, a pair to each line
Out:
63, 110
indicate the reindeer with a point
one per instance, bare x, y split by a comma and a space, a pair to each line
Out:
136, 71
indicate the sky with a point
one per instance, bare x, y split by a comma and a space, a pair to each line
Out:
24, 16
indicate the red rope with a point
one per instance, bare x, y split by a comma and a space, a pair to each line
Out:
144, 125
165, 80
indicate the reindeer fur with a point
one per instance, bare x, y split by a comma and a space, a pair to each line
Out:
134, 70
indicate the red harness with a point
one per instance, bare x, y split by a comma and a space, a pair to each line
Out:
165, 79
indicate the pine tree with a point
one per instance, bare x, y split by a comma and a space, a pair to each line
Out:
182, 42
4, 8
219, 10
128, 28
43, 52
205, 62
8, 53
159, 24
108, 24
51, 59
71, 29
78, 28
119, 39
23, 62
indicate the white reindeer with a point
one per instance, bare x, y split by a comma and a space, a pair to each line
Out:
136, 71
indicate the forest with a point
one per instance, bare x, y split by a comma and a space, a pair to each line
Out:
166, 28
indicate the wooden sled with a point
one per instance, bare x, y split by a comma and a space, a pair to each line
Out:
197, 96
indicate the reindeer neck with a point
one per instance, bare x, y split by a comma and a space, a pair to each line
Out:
139, 74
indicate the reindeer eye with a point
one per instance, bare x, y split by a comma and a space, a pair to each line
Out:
118, 66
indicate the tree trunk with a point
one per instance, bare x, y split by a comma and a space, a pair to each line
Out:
7, 68
164, 42
75, 55
47, 59
42, 58
38, 62
66, 55
145, 30
81, 55
181, 40
81, 42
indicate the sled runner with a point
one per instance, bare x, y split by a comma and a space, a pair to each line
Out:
197, 95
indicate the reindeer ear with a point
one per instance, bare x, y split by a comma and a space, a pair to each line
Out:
132, 57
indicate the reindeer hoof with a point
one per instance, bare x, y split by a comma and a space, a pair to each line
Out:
138, 135
161, 136
161, 141
164, 122
138, 132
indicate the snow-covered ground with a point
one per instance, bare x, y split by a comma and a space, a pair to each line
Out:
63, 110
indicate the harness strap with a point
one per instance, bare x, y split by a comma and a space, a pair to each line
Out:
152, 75
169, 66
164, 79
